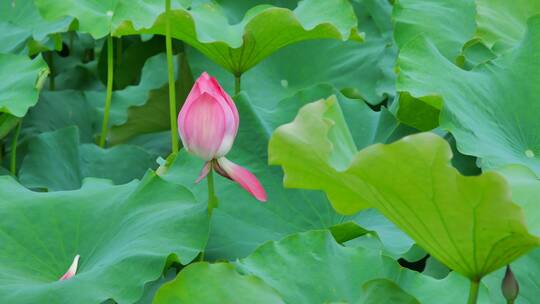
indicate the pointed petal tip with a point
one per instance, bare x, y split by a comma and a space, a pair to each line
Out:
204, 172
244, 178
72, 270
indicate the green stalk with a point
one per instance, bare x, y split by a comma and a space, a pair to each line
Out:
473, 292
50, 62
13, 160
110, 67
170, 69
237, 79
117, 61
212, 198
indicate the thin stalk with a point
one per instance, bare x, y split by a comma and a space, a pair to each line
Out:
50, 62
473, 292
510, 301
13, 160
110, 68
237, 83
212, 198
117, 61
170, 69
119, 51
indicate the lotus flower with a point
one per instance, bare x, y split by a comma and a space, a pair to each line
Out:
207, 124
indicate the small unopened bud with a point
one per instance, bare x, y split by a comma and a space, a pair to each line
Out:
510, 286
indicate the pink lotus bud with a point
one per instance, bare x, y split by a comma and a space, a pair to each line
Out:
208, 121
72, 269
207, 124
509, 286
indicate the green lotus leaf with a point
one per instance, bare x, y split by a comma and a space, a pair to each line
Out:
275, 78
239, 47
123, 234
20, 22
468, 223
153, 77
312, 268
476, 107
193, 283
153, 116
56, 110
447, 23
57, 161
22, 79
525, 192
502, 24
385, 291
101, 17
240, 224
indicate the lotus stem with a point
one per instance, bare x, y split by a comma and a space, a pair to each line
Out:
13, 160
170, 69
50, 62
110, 74
473, 292
212, 198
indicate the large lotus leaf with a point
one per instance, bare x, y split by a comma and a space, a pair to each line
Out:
123, 234
22, 79
193, 283
20, 21
276, 78
153, 77
385, 291
447, 23
502, 24
312, 268
240, 223
57, 110
101, 17
57, 161
241, 46
153, 116
468, 223
477, 108
525, 191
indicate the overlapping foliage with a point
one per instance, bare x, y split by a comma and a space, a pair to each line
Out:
362, 119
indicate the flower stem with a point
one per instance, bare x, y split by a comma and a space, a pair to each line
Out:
170, 68
50, 62
212, 198
110, 67
473, 292
13, 160
237, 82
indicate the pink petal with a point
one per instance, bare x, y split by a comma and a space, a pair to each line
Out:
209, 84
243, 177
71, 270
204, 127
204, 172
